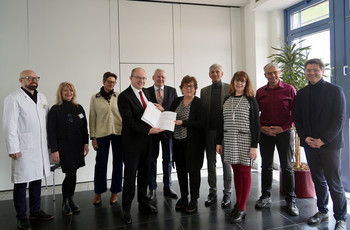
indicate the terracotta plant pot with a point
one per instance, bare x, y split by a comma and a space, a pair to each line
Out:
304, 186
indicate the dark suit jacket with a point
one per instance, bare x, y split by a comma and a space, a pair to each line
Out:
206, 98
135, 136
169, 96
330, 117
195, 133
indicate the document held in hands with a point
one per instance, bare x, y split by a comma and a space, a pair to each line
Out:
155, 118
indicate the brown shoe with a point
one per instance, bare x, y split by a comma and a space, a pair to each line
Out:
114, 198
97, 199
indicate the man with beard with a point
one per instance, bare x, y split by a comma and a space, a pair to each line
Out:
24, 122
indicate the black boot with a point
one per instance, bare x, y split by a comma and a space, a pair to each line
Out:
66, 209
75, 208
238, 217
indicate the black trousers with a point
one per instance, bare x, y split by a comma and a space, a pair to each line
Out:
267, 148
325, 172
135, 163
186, 176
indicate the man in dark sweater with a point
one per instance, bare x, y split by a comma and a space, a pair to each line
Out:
212, 97
319, 116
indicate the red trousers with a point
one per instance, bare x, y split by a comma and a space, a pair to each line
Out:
242, 178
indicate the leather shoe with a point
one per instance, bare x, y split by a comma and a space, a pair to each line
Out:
192, 206
292, 209
152, 195
317, 218
181, 203
23, 224
170, 193
225, 201
238, 217
210, 200
113, 199
148, 208
340, 225
40, 215
127, 217
263, 202
97, 199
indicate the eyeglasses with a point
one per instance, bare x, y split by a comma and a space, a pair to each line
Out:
31, 78
140, 78
272, 73
111, 82
188, 86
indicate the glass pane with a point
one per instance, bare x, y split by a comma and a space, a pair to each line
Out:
310, 15
320, 48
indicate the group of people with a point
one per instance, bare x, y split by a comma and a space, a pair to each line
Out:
227, 119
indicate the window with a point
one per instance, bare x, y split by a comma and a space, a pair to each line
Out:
310, 15
325, 25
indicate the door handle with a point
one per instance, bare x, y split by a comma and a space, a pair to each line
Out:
345, 70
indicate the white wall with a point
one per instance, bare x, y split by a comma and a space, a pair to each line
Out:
79, 40
263, 29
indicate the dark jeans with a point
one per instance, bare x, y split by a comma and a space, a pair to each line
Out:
325, 172
184, 174
19, 198
136, 164
100, 179
69, 183
267, 148
167, 146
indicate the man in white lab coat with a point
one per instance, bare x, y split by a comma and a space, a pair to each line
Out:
24, 122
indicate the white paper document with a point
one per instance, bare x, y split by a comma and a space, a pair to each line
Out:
155, 118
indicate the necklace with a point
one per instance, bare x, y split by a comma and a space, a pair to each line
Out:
234, 109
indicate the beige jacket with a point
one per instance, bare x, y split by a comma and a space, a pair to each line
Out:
104, 117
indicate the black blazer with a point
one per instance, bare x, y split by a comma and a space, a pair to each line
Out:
135, 136
195, 133
330, 117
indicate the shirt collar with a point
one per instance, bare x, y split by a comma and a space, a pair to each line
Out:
156, 88
280, 85
136, 91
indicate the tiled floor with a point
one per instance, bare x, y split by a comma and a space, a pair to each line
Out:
107, 217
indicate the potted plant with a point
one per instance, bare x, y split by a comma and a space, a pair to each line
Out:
291, 59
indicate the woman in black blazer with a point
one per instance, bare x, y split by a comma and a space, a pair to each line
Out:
68, 140
189, 142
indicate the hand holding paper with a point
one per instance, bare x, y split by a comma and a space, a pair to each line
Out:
155, 118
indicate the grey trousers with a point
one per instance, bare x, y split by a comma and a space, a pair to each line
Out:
210, 150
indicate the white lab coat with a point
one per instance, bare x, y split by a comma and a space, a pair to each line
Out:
24, 125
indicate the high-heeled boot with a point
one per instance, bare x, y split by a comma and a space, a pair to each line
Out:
238, 217
66, 209
75, 208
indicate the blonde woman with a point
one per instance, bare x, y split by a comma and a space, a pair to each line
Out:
68, 139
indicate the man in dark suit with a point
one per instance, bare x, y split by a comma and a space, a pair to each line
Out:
213, 97
320, 113
163, 95
136, 141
